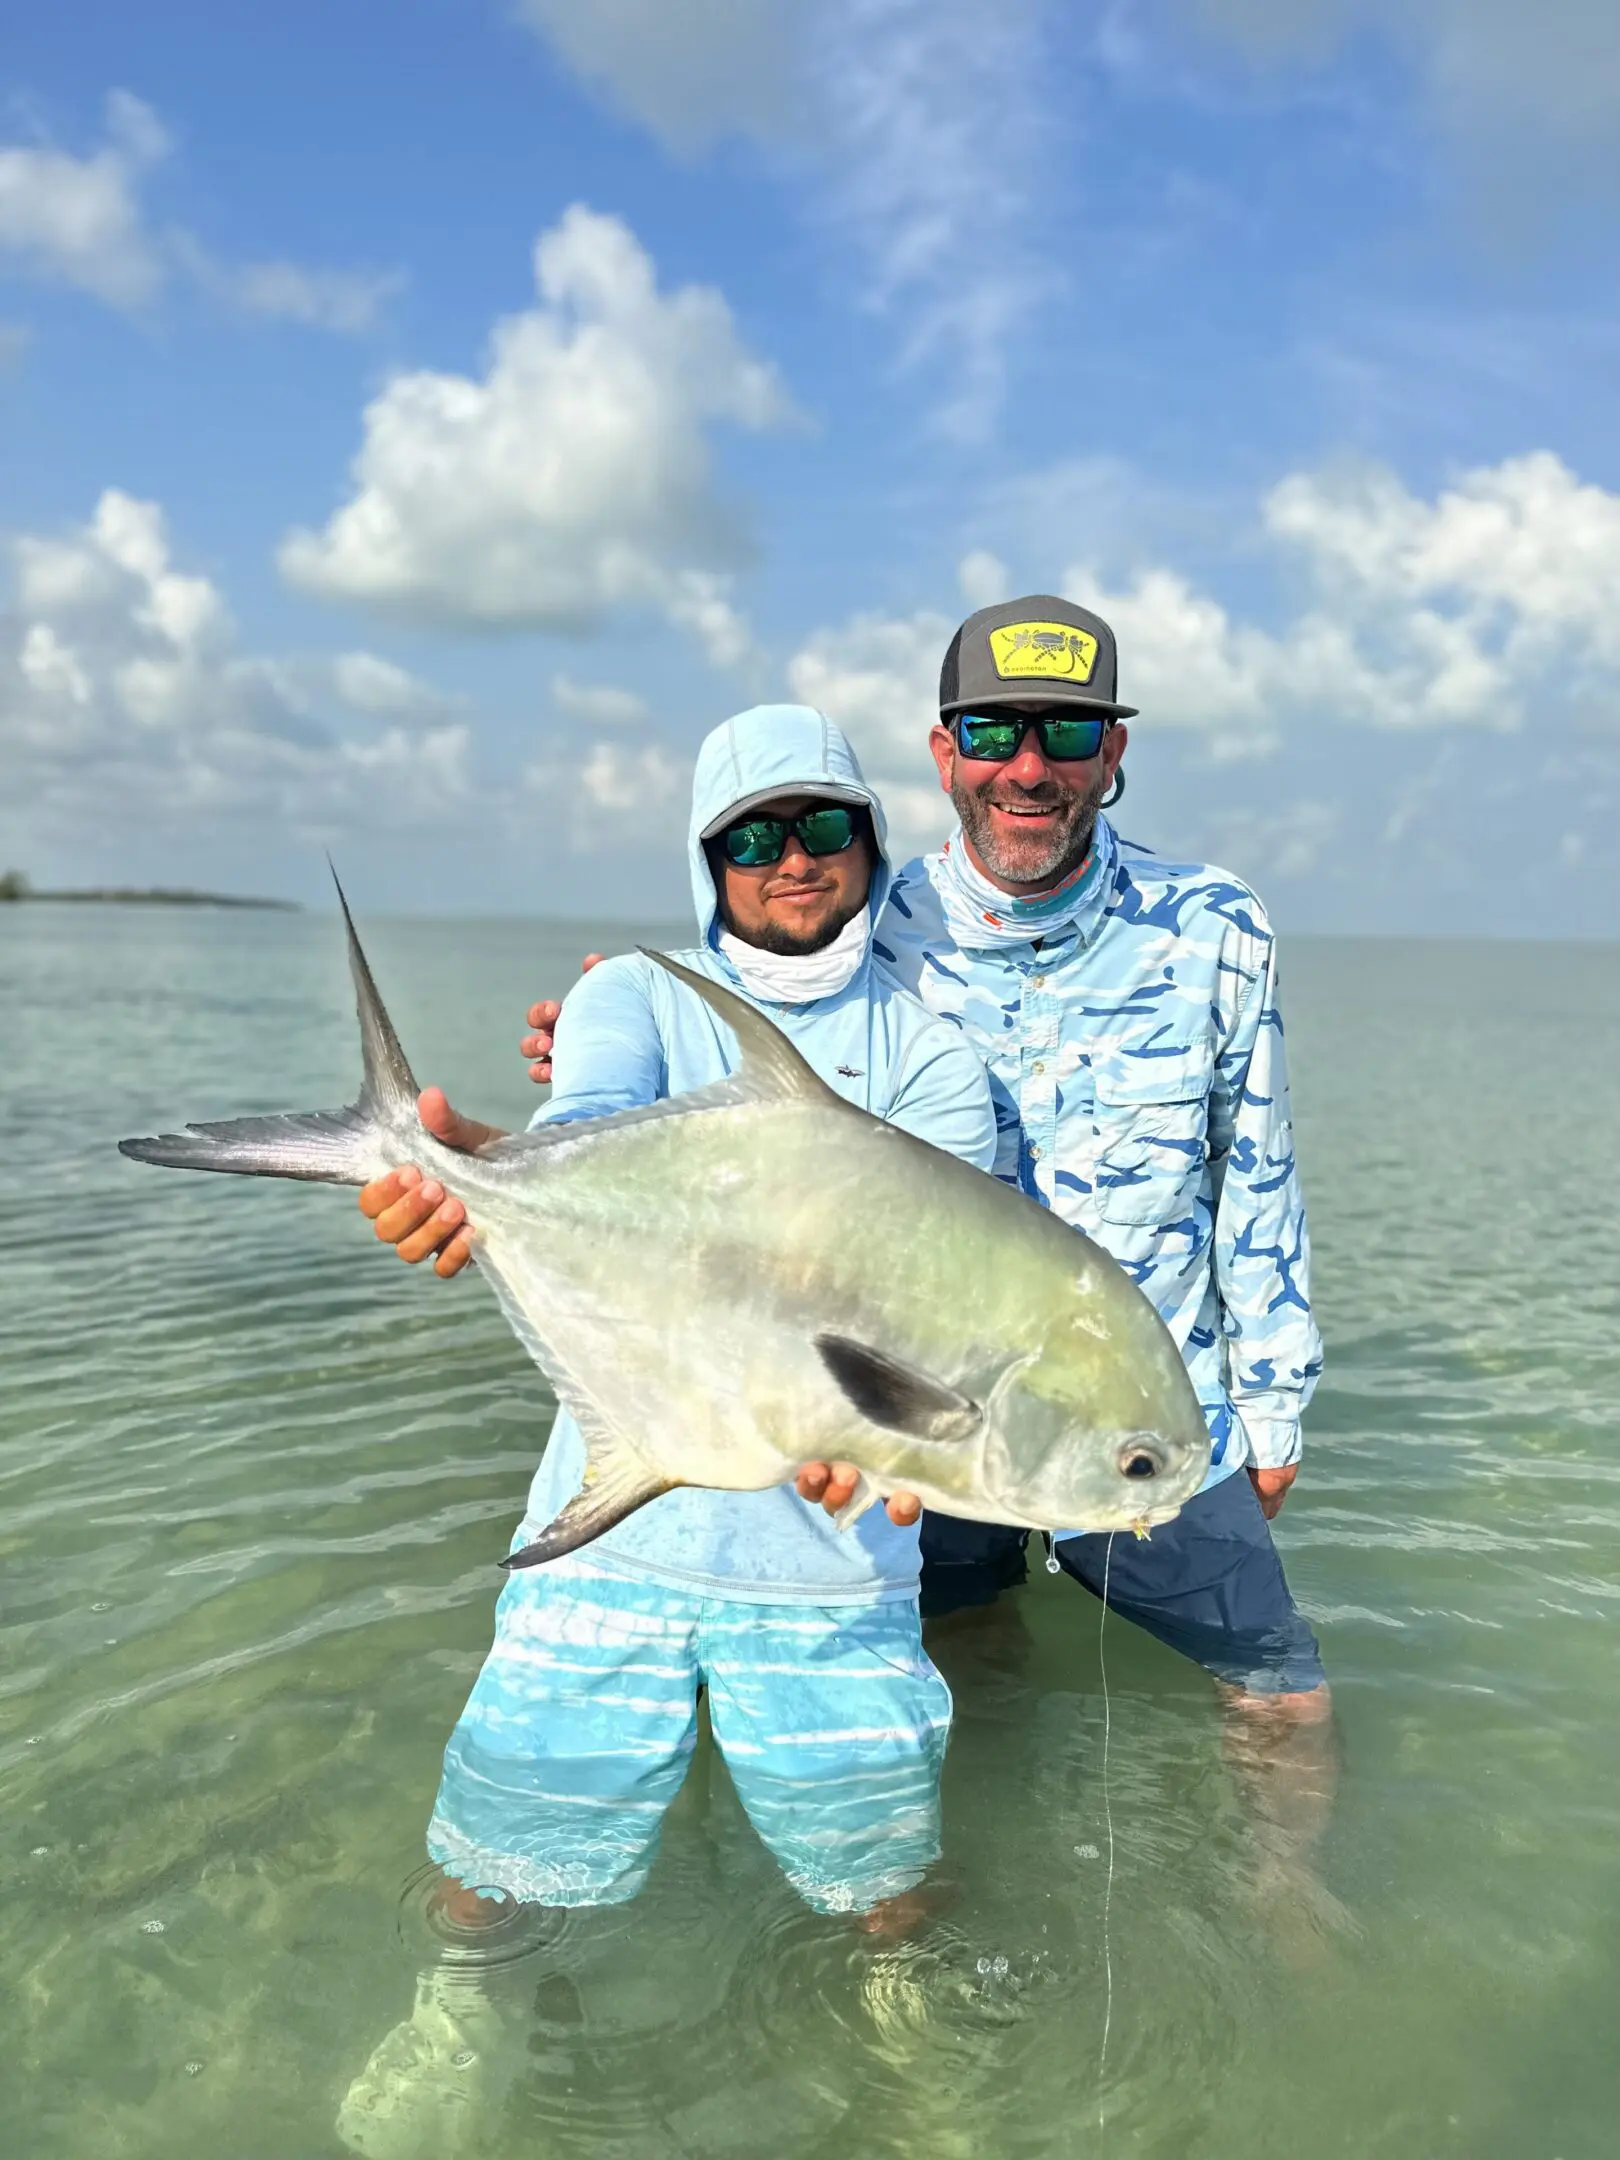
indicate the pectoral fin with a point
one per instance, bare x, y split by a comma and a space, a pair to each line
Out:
889, 1392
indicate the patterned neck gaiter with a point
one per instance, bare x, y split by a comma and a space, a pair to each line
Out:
982, 917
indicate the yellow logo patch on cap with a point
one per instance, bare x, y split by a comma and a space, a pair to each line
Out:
1043, 648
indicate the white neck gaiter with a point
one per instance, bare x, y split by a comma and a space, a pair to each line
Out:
801, 978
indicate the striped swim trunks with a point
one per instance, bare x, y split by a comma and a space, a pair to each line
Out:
831, 1719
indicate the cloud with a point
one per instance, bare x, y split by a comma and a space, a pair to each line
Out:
940, 133
923, 123
601, 704
1407, 625
1528, 84
619, 795
1475, 609
381, 690
573, 478
80, 221
878, 677
125, 693
690, 74
349, 303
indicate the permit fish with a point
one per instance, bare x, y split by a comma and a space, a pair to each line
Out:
757, 1274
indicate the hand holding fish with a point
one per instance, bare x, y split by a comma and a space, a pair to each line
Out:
416, 1215
834, 1484
536, 1046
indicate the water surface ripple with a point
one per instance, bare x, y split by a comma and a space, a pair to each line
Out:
255, 1477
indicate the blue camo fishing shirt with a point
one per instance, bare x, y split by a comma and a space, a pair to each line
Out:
1136, 1056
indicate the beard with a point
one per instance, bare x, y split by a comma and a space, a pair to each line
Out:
773, 938
1043, 859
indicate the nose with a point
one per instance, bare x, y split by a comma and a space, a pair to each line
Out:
797, 859
1026, 767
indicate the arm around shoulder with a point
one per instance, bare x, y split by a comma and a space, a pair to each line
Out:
609, 1050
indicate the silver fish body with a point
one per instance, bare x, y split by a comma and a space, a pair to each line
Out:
757, 1274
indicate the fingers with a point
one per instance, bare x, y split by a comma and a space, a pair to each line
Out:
536, 1046
448, 1125
842, 1479
418, 1217
383, 1192
1271, 1487
438, 1226
456, 1254
833, 1485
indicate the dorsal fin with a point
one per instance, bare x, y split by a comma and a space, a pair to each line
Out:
771, 1069
389, 1082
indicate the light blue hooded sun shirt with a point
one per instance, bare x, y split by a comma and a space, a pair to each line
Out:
634, 1035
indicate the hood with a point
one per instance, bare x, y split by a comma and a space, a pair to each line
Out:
774, 750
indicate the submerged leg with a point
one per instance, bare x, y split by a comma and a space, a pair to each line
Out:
556, 1780
833, 1723
1211, 1585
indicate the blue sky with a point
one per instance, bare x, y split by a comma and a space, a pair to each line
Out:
420, 422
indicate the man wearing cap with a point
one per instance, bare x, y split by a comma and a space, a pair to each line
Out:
1127, 1010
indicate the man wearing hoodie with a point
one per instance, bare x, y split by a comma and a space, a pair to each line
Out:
831, 1718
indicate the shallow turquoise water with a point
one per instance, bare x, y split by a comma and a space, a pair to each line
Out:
254, 1477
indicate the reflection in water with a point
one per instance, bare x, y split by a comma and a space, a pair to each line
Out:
254, 1485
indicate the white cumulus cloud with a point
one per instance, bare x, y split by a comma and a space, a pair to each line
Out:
81, 221
572, 478
125, 692
1475, 609
877, 676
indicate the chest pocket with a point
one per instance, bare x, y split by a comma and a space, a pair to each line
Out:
1152, 1118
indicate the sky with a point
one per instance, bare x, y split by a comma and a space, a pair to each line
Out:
421, 420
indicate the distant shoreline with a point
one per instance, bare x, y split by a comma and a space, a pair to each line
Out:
154, 896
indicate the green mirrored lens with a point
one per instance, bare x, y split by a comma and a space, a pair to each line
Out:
993, 739
996, 739
828, 831
1062, 739
756, 841
753, 842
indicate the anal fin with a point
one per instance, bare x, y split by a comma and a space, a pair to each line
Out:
617, 1482
600, 1504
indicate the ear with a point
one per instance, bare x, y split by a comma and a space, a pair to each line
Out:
943, 745
1113, 747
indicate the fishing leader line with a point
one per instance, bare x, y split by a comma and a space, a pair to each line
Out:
1108, 1819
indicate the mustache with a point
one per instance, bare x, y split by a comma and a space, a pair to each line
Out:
1044, 797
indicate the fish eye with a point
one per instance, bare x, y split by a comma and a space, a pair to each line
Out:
1137, 1462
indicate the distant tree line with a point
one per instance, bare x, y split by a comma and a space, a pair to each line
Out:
15, 885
